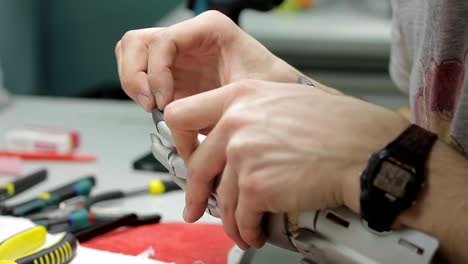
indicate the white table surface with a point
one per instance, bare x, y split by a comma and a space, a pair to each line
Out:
116, 131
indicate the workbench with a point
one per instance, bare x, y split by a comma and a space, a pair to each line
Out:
118, 133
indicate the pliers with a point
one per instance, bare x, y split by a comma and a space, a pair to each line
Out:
27, 247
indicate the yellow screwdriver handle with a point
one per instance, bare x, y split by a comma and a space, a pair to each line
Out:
7, 262
21, 244
156, 187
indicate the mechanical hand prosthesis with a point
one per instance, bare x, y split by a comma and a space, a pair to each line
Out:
325, 236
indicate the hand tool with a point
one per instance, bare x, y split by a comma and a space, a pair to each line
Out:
20, 185
82, 186
27, 247
85, 215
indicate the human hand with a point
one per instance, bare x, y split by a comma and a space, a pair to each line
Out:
278, 148
159, 65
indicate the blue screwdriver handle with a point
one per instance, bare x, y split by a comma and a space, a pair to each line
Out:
82, 186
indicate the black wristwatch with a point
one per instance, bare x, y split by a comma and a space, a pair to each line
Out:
394, 176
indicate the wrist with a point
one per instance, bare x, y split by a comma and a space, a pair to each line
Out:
351, 189
442, 170
440, 208
394, 177
351, 184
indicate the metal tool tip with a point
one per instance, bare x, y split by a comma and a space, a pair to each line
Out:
158, 116
154, 138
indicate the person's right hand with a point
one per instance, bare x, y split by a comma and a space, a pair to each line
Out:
159, 65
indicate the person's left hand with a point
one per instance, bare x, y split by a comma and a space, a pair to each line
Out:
279, 147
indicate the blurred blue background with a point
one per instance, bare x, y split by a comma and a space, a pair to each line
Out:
66, 48
53, 47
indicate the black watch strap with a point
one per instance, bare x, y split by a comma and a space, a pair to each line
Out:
411, 149
414, 144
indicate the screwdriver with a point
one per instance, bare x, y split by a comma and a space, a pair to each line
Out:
85, 215
155, 187
82, 186
20, 185
75, 221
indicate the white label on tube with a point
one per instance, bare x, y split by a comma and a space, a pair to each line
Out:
38, 141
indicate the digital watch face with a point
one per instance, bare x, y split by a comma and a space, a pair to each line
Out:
392, 179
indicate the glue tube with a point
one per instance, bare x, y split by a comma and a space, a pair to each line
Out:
42, 140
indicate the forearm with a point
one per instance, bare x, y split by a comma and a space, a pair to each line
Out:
442, 207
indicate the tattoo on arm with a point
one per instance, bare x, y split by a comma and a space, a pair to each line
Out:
304, 80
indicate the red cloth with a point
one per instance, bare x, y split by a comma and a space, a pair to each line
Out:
172, 242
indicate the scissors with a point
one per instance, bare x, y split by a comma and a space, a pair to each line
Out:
27, 247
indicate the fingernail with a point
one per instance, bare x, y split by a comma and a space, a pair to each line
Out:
159, 100
185, 214
261, 241
143, 100
243, 246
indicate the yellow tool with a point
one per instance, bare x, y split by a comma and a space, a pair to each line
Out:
296, 5
25, 248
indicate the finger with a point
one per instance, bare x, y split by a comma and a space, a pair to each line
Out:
186, 142
186, 116
206, 162
118, 56
227, 194
203, 33
196, 199
249, 222
134, 64
208, 28
162, 54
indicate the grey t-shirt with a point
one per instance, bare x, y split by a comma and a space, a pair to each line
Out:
429, 60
